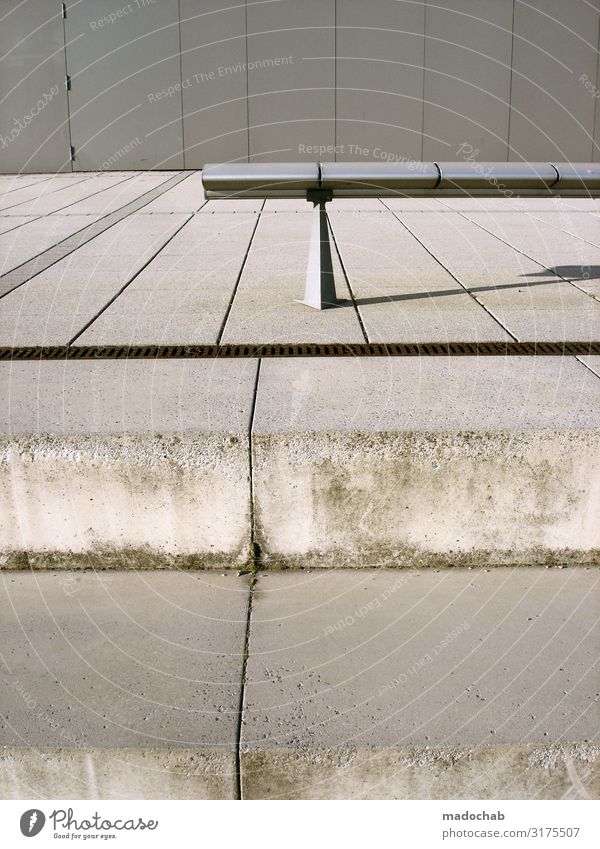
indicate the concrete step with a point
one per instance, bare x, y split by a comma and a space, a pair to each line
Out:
327, 462
125, 464
120, 685
358, 684
427, 461
423, 684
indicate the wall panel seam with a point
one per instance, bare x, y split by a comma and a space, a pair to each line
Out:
247, 86
595, 145
510, 85
181, 87
423, 79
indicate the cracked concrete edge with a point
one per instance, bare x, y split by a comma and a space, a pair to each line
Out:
302, 500
565, 771
125, 773
350, 499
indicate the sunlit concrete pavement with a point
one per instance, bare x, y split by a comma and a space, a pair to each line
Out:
142, 259
228, 578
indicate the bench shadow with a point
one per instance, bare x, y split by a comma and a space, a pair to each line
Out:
570, 272
553, 275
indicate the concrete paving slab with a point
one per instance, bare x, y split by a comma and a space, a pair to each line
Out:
187, 196
287, 205
339, 204
71, 196
522, 204
536, 238
14, 182
424, 204
135, 464
457, 684
123, 194
581, 225
427, 462
482, 204
234, 205
11, 222
122, 237
527, 299
182, 296
48, 322
57, 304
264, 309
97, 194
31, 192
560, 249
20, 245
120, 685
403, 294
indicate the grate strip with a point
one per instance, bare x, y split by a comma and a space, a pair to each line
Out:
359, 349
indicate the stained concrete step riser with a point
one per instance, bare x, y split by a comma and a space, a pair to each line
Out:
125, 501
428, 499
515, 772
339, 500
465, 500
355, 462
502, 772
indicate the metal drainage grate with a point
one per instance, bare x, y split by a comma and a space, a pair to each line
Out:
373, 349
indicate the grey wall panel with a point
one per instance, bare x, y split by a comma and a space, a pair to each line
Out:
291, 78
555, 52
467, 78
379, 79
124, 111
326, 79
214, 81
34, 127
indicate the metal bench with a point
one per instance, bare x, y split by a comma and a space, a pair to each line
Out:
321, 182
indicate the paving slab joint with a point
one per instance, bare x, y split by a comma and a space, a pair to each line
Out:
239, 275
347, 281
245, 658
255, 553
254, 563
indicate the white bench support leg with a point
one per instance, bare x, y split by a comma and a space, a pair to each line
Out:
319, 291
